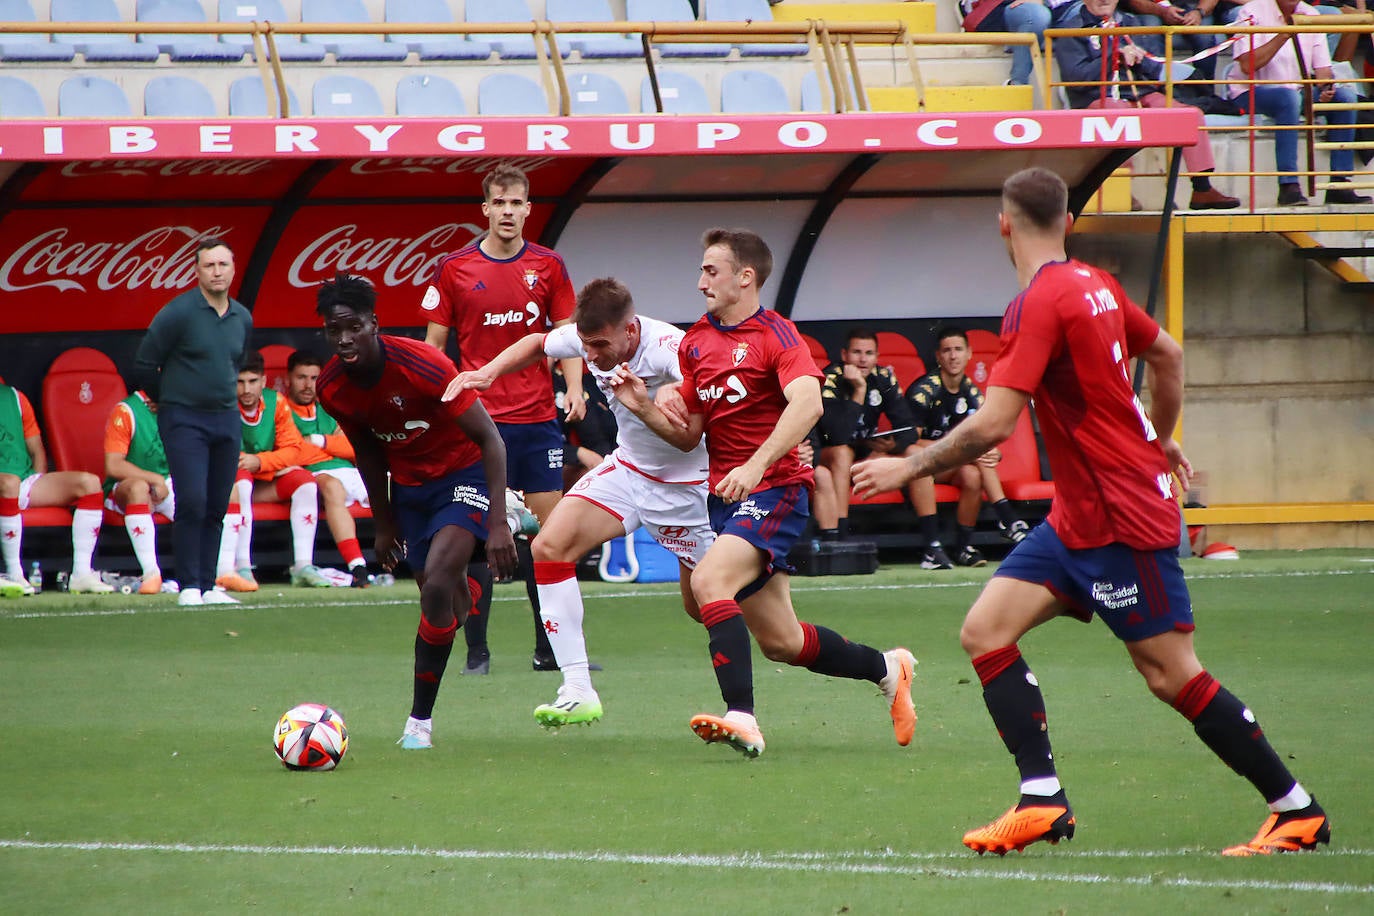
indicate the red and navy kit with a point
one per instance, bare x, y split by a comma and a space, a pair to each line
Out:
1066, 340
493, 303
418, 432
735, 376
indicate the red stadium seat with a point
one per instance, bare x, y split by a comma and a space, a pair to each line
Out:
274, 357
80, 389
896, 351
1019, 469
985, 346
817, 351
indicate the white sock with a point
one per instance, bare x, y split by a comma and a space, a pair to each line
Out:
305, 518
1296, 799
85, 530
144, 538
560, 607
11, 536
228, 541
1045, 786
243, 545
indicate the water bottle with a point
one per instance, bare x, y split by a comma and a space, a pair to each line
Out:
62, 581
36, 577
384, 579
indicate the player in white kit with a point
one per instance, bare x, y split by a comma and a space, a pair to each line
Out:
645, 482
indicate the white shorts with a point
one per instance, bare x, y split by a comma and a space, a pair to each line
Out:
352, 479
25, 488
674, 513
167, 507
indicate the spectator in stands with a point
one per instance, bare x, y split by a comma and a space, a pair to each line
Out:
327, 454
1183, 13
1123, 58
188, 363
1031, 16
855, 394
26, 482
1276, 57
475, 292
271, 459
939, 402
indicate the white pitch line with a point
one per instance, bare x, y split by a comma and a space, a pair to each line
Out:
827, 863
798, 587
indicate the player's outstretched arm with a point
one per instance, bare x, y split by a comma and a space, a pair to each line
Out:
477, 425
524, 352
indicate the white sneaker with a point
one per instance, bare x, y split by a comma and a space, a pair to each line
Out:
573, 707
14, 588
417, 735
190, 597
896, 688
217, 596
519, 518
89, 583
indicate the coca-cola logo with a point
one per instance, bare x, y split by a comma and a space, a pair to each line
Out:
447, 165
161, 258
164, 168
398, 261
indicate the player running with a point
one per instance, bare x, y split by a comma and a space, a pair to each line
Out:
447, 465
644, 482
1109, 544
749, 383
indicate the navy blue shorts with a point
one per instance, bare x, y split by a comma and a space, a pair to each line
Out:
1137, 593
771, 520
460, 498
534, 456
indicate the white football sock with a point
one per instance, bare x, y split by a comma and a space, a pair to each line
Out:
143, 536
85, 530
11, 536
305, 518
228, 541
560, 607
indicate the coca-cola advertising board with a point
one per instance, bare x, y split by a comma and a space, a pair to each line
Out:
432, 177
171, 180
396, 247
103, 270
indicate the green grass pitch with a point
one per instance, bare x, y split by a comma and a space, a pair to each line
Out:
137, 774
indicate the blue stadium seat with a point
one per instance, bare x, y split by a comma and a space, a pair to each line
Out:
752, 92
343, 96
515, 45
681, 94
29, 46
248, 99
99, 46
596, 94
91, 97
177, 97
434, 47
592, 44
813, 99
289, 47
421, 95
349, 47
672, 11
19, 99
510, 94
744, 11
182, 47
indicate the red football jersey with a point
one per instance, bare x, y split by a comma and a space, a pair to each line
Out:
492, 304
418, 431
735, 376
1066, 341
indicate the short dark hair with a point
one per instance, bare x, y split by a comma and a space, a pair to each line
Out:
253, 362
860, 333
504, 175
950, 330
1037, 196
348, 290
212, 242
602, 303
302, 358
747, 247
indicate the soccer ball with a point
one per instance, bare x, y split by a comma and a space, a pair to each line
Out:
311, 736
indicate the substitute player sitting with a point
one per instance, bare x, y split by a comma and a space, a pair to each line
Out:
446, 465
644, 482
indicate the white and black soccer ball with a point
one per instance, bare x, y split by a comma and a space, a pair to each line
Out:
311, 736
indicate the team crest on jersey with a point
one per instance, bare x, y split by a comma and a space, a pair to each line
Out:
738, 354
398, 402
431, 300
531, 278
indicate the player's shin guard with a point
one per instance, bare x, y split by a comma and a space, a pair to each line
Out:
432, 647
479, 614
1017, 707
561, 607
826, 652
730, 653
1227, 727
86, 518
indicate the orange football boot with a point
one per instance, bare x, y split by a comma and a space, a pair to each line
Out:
1020, 827
1289, 831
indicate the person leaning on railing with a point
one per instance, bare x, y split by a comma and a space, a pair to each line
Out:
1183, 12
1028, 16
1286, 57
1111, 63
